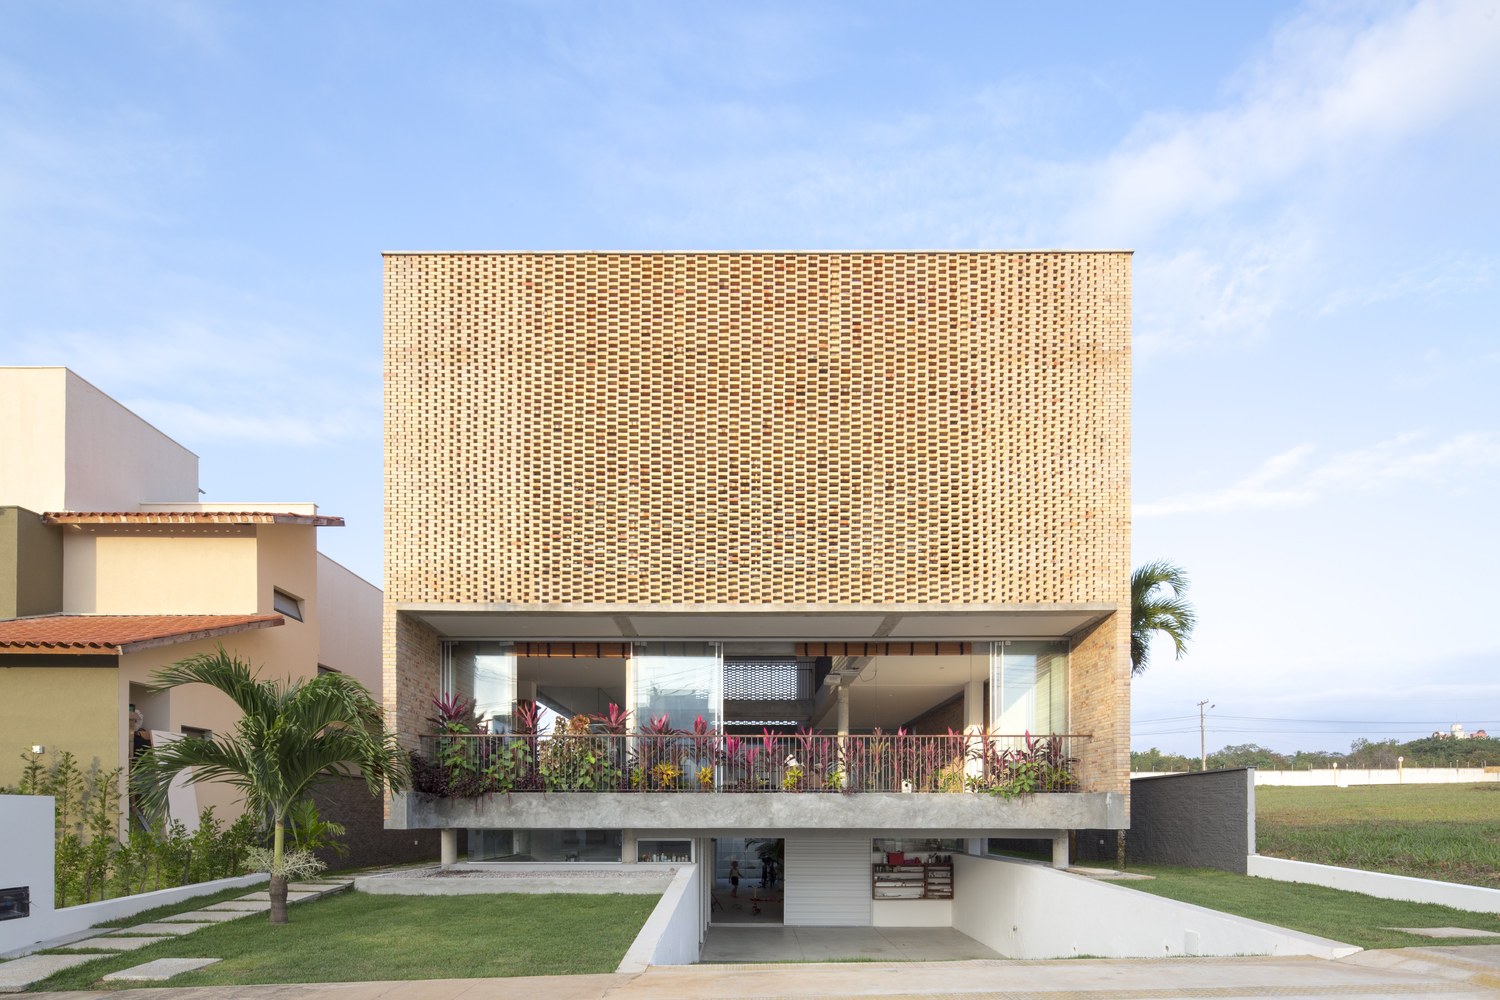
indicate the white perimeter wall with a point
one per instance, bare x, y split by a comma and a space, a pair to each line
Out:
1363, 776
27, 859
1474, 898
1027, 910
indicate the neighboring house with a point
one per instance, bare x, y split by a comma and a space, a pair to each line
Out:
846, 492
110, 568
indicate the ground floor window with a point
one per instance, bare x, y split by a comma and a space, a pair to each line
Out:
544, 845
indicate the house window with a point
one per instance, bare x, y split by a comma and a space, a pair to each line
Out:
193, 732
1029, 687
286, 604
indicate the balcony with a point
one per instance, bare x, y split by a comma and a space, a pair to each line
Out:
708, 780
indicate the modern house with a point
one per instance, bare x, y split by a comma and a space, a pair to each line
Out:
110, 568
846, 534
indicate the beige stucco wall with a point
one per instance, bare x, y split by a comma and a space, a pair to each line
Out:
349, 623
60, 707
150, 570
33, 421
67, 446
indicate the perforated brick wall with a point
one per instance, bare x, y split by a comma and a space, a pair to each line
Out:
848, 428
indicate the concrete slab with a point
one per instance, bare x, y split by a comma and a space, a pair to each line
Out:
162, 968
265, 897
207, 916
159, 928
1446, 932
247, 905
20, 973
750, 943
112, 943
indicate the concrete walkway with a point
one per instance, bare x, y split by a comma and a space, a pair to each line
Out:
1436, 974
748, 943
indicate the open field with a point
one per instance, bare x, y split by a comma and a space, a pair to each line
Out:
1331, 913
1445, 832
356, 937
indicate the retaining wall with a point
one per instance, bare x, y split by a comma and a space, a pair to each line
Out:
1473, 898
673, 934
1027, 910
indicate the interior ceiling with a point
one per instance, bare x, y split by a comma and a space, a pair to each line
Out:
727, 624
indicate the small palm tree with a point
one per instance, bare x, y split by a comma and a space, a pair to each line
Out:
291, 736
1154, 611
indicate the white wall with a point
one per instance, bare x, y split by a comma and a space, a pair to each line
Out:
349, 624
1473, 898
27, 860
673, 934
1027, 910
911, 912
1378, 776
115, 459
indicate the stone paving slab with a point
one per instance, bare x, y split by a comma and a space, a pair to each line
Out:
162, 968
207, 916
247, 905
1446, 932
20, 973
111, 943
265, 897
157, 928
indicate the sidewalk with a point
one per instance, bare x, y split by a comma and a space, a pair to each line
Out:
1436, 974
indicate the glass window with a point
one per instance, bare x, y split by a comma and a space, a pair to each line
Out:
485, 672
679, 680
544, 845
1029, 687
664, 850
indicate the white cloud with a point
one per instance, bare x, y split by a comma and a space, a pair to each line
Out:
1291, 479
1327, 90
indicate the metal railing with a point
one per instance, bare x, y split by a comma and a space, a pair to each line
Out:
1001, 764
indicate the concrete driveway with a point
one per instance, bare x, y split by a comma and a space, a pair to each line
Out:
1433, 973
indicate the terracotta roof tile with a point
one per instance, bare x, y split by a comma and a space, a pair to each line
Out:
119, 633
189, 517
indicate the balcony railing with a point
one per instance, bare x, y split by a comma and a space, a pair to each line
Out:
1000, 764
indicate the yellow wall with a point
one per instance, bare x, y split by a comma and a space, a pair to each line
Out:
149, 570
62, 708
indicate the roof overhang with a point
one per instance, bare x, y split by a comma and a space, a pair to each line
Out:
740, 622
190, 517
118, 634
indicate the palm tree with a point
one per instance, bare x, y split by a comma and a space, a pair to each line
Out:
292, 736
1155, 611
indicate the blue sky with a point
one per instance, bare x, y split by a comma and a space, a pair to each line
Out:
193, 198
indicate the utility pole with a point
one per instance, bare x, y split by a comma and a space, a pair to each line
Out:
1203, 733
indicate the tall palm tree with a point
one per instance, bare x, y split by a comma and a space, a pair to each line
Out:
291, 736
1153, 610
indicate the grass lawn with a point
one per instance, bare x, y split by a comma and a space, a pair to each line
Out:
354, 936
1445, 832
1331, 913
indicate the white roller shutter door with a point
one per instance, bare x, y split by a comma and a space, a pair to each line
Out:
827, 881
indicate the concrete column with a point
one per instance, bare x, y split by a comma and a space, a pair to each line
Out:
974, 727
1060, 851
449, 846
974, 707
628, 852
843, 710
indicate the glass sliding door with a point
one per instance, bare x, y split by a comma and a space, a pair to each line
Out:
1029, 687
679, 680
485, 672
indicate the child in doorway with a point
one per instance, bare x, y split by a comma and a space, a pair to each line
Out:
734, 878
